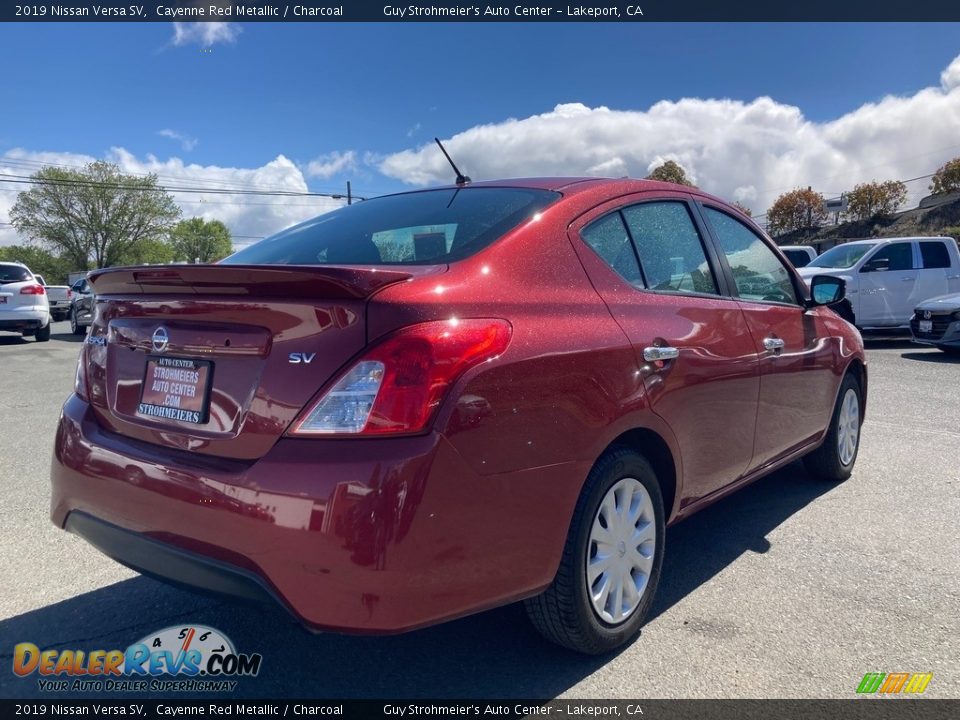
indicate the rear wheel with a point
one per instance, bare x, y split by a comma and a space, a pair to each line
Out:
611, 562
834, 459
43, 334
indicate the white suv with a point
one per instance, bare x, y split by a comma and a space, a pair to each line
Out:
23, 303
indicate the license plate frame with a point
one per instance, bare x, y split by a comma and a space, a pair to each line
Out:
925, 326
171, 377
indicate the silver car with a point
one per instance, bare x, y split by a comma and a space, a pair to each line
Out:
937, 322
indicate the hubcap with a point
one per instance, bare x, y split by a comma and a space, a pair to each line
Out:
848, 429
623, 541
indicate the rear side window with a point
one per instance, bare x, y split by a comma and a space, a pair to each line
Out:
757, 271
430, 227
671, 252
14, 273
608, 237
934, 254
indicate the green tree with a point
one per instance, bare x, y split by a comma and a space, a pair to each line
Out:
670, 172
41, 262
796, 210
200, 240
875, 199
149, 252
93, 216
743, 208
947, 178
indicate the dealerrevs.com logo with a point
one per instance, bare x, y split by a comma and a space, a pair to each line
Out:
188, 659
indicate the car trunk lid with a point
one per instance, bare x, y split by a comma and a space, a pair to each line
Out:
219, 359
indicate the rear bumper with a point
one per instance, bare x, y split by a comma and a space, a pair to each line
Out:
25, 319
374, 536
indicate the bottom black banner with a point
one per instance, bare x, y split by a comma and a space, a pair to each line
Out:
855, 709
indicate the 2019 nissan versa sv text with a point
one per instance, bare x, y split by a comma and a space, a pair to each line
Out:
433, 403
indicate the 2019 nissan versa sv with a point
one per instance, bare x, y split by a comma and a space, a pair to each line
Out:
433, 403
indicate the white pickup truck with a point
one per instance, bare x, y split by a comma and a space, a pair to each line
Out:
59, 297
888, 277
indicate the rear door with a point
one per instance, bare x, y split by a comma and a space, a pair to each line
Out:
889, 292
648, 262
939, 276
797, 360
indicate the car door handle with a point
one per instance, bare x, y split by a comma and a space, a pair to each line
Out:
660, 352
773, 344
907, 279
953, 277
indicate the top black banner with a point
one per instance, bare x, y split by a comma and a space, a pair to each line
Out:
466, 11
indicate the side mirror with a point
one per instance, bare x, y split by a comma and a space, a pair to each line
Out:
878, 265
826, 290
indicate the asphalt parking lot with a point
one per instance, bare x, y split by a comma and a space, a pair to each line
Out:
790, 588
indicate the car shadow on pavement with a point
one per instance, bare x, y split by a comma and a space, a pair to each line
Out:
67, 337
6, 340
489, 655
934, 357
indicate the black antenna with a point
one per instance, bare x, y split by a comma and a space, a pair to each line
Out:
461, 178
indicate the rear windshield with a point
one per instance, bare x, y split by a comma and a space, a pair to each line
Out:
430, 227
799, 258
14, 273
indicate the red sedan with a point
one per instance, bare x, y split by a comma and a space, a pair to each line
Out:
433, 403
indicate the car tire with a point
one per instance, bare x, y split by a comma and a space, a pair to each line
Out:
571, 611
834, 460
75, 327
950, 349
43, 334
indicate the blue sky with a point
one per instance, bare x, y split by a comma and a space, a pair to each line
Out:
306, 91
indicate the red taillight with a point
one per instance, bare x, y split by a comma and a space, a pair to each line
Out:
32, 290
80, 380
396, 385
69, 294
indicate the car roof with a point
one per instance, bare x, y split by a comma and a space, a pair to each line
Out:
878, 240
570, 186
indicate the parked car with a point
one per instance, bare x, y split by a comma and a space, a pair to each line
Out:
23, 303
937, 322
58, 298
799, 255
888, 277
81, 306
429, 404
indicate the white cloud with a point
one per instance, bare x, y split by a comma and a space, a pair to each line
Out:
186, 142
205, 33
245, 215
326, 166
950, 78
749, 151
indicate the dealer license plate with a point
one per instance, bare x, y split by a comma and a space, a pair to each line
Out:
926, 326
176, 389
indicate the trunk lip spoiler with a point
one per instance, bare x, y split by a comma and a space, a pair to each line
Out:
305, 281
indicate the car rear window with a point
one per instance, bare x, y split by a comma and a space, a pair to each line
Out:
429, 227
14, 273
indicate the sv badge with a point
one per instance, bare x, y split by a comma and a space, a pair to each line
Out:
301, 357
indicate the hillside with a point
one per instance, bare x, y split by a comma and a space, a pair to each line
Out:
936, 215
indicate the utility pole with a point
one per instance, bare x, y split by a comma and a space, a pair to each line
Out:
349, 194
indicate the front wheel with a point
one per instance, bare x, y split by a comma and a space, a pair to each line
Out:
74, 326
834, 459
611, 562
